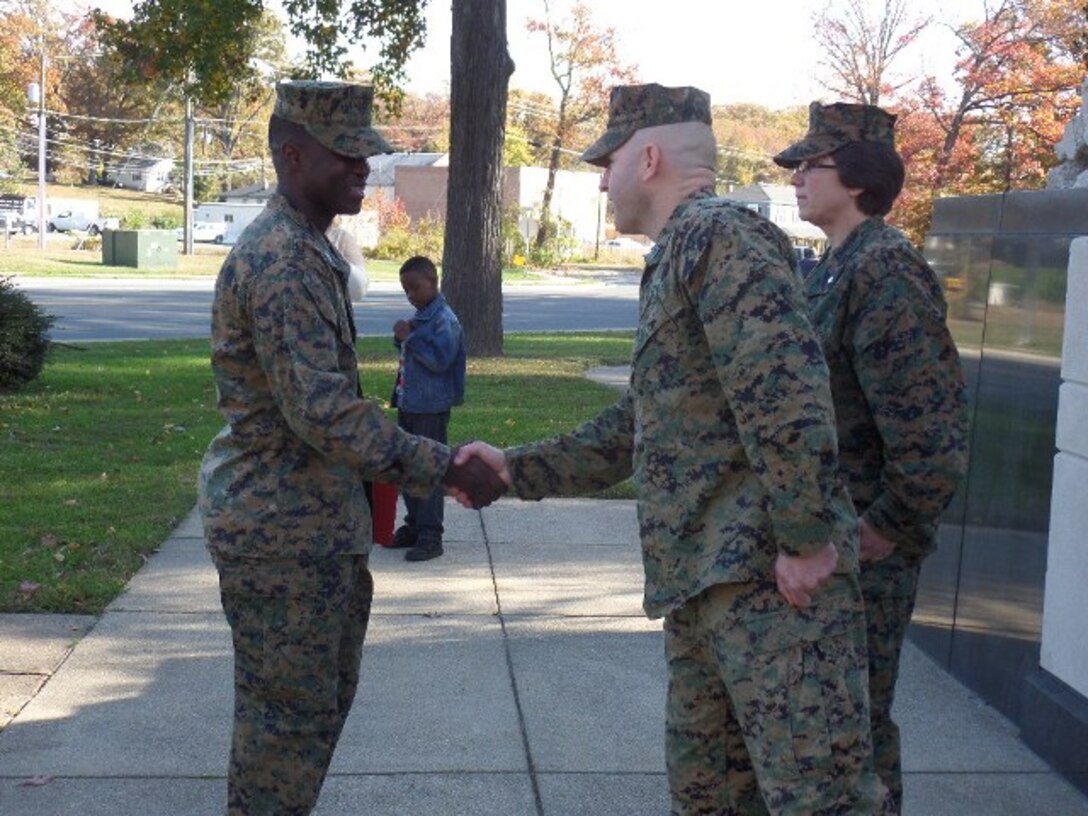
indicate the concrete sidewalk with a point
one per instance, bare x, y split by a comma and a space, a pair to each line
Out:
514, 676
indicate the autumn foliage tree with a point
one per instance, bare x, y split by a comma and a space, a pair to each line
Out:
106, 96
748, 135
530, 124
1014, 88
233, 129
1017, 77
421, 124
859, 48
110, 113
199, 47
585, 65
1014, 78
29, 28
19, 33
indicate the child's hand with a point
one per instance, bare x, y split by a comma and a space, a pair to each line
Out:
401, 329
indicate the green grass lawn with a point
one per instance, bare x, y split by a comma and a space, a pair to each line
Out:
99, 456
61, 258
64, 256
113, 202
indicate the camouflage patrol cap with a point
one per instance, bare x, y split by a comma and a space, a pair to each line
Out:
633, 107
832, 126
337, 114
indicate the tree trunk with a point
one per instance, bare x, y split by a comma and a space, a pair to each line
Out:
547, 225
480, 69
944, 158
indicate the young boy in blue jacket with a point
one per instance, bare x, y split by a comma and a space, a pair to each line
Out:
430, 381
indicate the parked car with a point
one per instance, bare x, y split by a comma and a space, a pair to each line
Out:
801, 253
624, 244
207, 231
71, 220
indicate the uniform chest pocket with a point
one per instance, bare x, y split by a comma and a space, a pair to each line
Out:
659, 308
329, 302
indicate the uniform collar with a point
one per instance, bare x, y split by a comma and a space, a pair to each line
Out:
653, 257
834, 260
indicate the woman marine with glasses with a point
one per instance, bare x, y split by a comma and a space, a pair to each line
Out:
896, 381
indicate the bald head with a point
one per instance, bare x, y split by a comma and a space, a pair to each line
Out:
656, 169
687, 147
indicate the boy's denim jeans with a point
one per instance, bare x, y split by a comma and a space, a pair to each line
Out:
425, 515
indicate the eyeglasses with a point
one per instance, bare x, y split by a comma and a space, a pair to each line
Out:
804, 167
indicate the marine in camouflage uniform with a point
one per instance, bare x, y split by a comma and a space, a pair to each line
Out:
898, 387
727, 430
282, 485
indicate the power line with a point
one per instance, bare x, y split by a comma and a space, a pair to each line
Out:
532, 110
111, 120
26, 139
747, 154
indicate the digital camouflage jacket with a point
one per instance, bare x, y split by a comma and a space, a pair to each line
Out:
284, 478
900, 399
727, 425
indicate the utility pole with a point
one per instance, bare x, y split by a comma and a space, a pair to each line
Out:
187, 244
41, 151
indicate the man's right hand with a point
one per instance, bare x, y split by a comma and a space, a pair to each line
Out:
479, 452
874, 546
475, 479
799, 576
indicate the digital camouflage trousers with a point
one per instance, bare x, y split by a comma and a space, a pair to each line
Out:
298, 632
768, 706
889, 588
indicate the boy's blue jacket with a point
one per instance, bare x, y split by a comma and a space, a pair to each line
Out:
432, 361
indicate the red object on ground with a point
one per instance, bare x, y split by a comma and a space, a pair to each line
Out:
384, 511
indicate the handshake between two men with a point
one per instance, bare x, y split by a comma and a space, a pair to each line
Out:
477, 475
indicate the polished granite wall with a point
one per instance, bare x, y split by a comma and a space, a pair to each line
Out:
1003, 261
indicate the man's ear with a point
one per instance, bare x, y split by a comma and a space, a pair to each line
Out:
291, 153
649, 161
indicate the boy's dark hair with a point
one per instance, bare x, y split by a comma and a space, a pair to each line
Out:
875, 168
421, 265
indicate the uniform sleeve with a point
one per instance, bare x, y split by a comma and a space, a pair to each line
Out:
907, 366
595, 455
304, 352
772, 371
435, 345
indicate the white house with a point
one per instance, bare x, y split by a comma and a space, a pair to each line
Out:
250, 194
142, 170
777, 203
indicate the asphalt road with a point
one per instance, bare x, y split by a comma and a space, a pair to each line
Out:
90, 309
